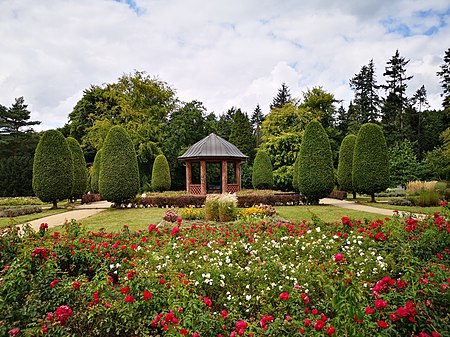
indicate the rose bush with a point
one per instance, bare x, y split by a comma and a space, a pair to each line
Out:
385, 278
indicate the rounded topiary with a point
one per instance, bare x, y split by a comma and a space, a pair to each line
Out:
95, 172
119, 174
345, 165
262, 175
370, 161
79, 168
52, 168
161, 174
315, 172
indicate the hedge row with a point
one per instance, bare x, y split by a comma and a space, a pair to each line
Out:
17, 211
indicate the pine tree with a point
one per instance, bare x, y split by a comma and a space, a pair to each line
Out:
370, 161
119, 173
53, 168
242, 134
315, 173
283, 97
444, 74
257, 119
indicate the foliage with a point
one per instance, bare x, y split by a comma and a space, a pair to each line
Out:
345, 166
52, 168
95, 173
16, 175
418, 186
386, 277
316, 175
403, 165
436, 165
227, 207
282, 98
212, 207
287, 119
320, 104
283, 149
242, 134
444, 74
79, 168
119, 174
192, 213
161, 174
260, 211
262, 174
295, 173
283, 178
256, 120
19, 210
370, 161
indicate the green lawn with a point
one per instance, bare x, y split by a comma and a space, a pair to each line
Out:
411, 209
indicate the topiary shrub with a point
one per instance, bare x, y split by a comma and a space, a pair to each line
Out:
96, 172
370, 161
52, 168
345, 164
79, 168
295, 174
119, 175
315, 175
161, 174
262, 175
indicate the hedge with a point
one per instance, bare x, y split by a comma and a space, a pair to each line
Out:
52, 168
119, 174
370, 161
262, 175
316, 174
345, 165
79, 168
96, 171
161, 174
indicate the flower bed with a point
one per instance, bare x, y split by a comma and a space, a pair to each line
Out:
385, 278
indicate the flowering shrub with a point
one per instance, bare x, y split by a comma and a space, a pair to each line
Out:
192, 213
390, 277
91, 197
171, 215
259, 211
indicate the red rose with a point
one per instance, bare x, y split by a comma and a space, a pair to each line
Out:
284, 296
76, 285
369, 311
330, 331
380, 304
147, 295
129, 299
319, 325
338, 257
382, 324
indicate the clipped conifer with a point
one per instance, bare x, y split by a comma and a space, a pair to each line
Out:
119, 174
161, 174
95, 171
295, 173
370, 161
345, 165
52, 168
262, 175
315, 172
79, 168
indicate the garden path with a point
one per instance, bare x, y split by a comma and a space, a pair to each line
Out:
78, 213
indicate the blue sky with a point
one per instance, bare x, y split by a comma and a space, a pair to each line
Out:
223, 53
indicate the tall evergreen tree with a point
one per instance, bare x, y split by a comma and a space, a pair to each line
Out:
367, 101
242, 134
444, 74
345, 166
257, 119
225, 122
396, 102
79, 168
283, 96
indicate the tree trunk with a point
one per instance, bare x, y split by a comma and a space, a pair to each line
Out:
55, 204
354, 195
372, 197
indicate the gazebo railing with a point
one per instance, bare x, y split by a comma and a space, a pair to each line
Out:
232, 188
195, 189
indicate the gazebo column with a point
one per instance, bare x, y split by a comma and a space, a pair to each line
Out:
203, 176
224, 176
188, 176
237, 172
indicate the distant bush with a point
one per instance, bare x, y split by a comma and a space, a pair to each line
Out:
418, 186
52, 168
428, 198
21, 210
88, 198
212, 207
337, 194
227, 207
262, 174
161, 174
171, 215
401, 202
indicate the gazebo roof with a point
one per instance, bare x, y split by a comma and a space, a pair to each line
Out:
213, 146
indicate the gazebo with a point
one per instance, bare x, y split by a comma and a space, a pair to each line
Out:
211, 152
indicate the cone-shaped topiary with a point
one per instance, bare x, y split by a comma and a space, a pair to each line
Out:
79, 168
262, 175
52, 168
119, 175
316, 174
295, 173
96, 171
344, 174
370, 161
161, 174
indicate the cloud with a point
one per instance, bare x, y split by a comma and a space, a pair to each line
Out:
233, 53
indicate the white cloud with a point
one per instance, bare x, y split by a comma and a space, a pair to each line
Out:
233, 53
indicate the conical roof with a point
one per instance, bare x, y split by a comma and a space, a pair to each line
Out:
212, 146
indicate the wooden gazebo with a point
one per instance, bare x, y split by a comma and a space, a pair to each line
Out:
213, 150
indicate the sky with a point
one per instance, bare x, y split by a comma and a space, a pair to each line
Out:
233, 53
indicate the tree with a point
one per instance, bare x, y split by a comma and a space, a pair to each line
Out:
95, 173
367, 101
161, 174
242, 134
444, 74
53, 168
316, 174
283, 96
262, 175
370, 161
257, 119
321, 105
225, 123
119, 173
393, 111
345, 165
79, 168
403, 165
295, 173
